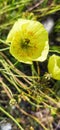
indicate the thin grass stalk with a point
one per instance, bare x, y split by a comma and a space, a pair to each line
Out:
11, 117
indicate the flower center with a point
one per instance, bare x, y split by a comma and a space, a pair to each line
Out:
25, 43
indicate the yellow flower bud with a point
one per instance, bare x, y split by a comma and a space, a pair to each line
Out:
54, 66
29, 41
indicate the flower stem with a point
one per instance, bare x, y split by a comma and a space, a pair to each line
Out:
33, 70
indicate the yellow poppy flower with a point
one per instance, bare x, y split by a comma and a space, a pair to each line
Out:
29, 41
54, 66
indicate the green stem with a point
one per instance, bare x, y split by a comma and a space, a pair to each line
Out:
33, 70
4, 49
4, 42
7, 114
54, 51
